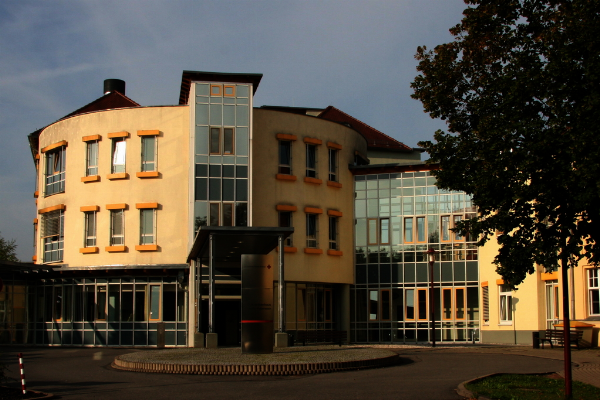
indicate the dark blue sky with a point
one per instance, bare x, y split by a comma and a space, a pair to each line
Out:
355, 55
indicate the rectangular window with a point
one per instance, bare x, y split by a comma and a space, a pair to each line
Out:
328, 305
311, 161
119, 150
460, 299
505, 304
301, 302
485, 299
53, 232
90, 229
311, 230
227, 217
91, 159
333, 233
593, 292
445, 228
117, 228
384, 231
385, 305
373, 305
147, 226
372, 231
446, 303
215, 140
285, 157
421, 230
149, 153
101, 303
457, 235
422, 303
285, 221
408, 230
228, 141
154, 303
410, 304
214, 214
55, 171
333, 165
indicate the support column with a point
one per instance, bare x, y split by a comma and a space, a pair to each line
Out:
211, 337
281, 338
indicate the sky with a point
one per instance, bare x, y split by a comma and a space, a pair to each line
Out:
355, 55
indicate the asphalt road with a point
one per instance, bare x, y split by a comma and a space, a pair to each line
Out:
85, 373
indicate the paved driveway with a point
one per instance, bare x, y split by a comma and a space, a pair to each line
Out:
78, 373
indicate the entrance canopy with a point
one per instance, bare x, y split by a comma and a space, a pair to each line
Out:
230, 242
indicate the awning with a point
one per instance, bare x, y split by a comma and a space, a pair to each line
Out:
230, 242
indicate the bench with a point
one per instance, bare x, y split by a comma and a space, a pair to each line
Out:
338, 337
558, 336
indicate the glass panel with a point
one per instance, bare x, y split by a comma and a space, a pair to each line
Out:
140, 303
118, 159
200, 191
385, 304
216, 114
422, 293
127, 302
410, 304
228, 115
241, 189
241, 116
214, 189
154, 302
169, 302
202, 114
215, 139
58, 302
373, 304
148, 153
214, 214
101, 302
447, 303
228, 190
241, 211
113, 302
241, 141
385, 231
228, 140
227, 214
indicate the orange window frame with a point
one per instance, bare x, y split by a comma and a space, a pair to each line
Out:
225, 87
218, 92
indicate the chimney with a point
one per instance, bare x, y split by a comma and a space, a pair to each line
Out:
114, 85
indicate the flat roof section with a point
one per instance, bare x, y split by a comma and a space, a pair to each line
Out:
233, 241
188, 76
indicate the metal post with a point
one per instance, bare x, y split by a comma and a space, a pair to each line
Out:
566, 326
281, 286
211, 284
431, 254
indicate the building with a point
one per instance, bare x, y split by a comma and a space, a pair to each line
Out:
123, 190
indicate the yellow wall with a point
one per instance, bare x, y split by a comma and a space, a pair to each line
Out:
268, 191
169, 190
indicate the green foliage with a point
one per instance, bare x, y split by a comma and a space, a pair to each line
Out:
525, 387
519, 88
8, 250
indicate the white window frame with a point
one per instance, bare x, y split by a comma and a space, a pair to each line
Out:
149, 165
52, 236
593, 279
334, 233
312, 239
117, 239
147, 238
91, 158
333, 164
505, 304
54, 173
285, 169
312, 171
89, 240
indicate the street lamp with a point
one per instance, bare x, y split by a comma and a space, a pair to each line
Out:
431, 256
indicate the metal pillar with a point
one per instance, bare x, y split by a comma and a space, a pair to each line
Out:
211, 284
281, 286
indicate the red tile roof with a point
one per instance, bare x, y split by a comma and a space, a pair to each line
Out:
109, 101
375, 139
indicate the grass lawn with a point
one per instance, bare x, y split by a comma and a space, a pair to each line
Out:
526, 387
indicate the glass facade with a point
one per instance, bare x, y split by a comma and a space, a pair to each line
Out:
124, 311
221, 143
399, 217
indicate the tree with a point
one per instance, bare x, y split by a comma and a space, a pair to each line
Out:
519, 88
8, 250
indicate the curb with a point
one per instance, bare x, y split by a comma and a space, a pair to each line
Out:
461, 390
264, 370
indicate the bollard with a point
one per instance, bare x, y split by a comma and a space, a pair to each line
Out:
22, 373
